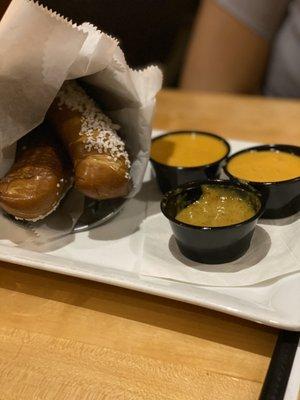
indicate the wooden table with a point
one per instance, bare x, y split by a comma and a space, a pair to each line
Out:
66, 338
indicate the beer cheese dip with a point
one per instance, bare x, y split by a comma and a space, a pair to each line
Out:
265, 166
188, 149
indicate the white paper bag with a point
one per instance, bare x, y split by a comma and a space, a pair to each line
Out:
39, 50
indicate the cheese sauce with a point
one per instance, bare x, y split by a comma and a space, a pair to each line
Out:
265, 166
187, 150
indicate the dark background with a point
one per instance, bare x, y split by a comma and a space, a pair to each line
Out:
150, 31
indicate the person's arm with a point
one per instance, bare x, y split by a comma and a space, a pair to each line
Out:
224, 54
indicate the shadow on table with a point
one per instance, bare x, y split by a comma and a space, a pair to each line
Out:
259, 248
128, 221
282, 221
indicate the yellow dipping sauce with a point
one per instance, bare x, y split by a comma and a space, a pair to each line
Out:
187, 150
218, 206
265, 166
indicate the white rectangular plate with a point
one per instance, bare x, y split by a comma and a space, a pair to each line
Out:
111, 254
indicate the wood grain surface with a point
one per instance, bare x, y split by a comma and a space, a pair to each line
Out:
242, 117
66, 338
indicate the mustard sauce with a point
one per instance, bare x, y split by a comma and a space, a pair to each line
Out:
218, 206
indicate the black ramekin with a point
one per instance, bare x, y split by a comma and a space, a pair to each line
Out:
283, 197
210, 245
169, 177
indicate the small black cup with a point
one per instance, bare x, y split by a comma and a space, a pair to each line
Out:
170, 177
211, 245
283, 197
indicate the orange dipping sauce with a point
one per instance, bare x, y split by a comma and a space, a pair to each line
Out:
265, 166
188, 149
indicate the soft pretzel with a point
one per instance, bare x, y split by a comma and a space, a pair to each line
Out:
38, 180
101, 163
